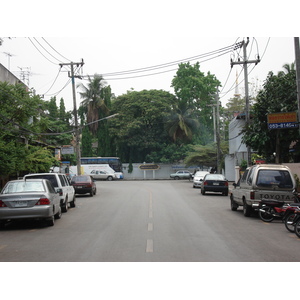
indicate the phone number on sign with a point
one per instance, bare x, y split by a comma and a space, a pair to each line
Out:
282, 125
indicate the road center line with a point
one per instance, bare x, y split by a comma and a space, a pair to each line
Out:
149, 247
150, 226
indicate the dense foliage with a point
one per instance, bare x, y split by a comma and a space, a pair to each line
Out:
279, 94
29, 131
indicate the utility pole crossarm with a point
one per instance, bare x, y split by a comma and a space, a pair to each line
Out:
245, 62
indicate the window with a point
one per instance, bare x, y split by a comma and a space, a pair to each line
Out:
62, 180
274, 178
243, 179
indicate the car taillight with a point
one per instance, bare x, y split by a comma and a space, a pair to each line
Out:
205, 183
252, 195
226, 183
43, 201
2, 204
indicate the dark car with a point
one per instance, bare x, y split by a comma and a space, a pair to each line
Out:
84, 184
214, 183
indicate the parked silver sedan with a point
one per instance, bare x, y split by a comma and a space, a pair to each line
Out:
29, 199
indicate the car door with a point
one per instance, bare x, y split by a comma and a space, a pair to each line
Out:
237, 191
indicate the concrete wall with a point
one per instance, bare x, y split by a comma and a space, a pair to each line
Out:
163, 172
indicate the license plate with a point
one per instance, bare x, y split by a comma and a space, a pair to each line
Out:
79, 187
216, 183
20, 203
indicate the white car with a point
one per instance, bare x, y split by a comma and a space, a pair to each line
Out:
102, 174
60, 182
198, 178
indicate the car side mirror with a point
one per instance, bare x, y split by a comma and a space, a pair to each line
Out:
59, 191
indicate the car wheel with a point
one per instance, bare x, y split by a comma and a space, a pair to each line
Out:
2, 225
246, 209
233, 204
202, 192
58, 214
65, 207
109, 178
72, 203
50, 221
91, 193
95, 191
176, 177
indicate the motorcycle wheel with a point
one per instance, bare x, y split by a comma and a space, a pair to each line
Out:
297, 228
267, 214
289, 223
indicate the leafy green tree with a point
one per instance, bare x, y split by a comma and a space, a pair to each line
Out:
139, 129
19, 113
53, 121
194, 91
279, 94
205, 155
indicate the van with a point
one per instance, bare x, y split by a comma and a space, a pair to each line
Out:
61, 184
263, 182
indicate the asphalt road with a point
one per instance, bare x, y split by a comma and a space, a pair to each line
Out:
150, 221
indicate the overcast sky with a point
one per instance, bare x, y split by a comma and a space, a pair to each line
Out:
116, 36
38, 59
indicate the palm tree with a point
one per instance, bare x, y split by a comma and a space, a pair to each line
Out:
182, 123
287, 69
93, 101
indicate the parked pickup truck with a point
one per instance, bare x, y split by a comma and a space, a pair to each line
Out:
181, 175
263, 182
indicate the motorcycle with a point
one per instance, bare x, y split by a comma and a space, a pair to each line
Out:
289, 217
296, 222
269, 210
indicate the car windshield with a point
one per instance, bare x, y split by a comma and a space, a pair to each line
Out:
50, 177
269, 178
23, 187
80, 179
214, 177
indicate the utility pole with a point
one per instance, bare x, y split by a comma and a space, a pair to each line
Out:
77, 134
218, 131
216, 120
297, 59
245, 62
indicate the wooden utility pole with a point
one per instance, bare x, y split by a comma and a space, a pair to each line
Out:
297, 59
77, 133
245, 62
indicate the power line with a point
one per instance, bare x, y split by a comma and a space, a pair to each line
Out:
41, 52
216, 54
56, 50
155, 67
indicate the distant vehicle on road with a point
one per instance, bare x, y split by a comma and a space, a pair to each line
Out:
29, 199
103, 175
198, 178
181, 175
214, 183
84, 184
